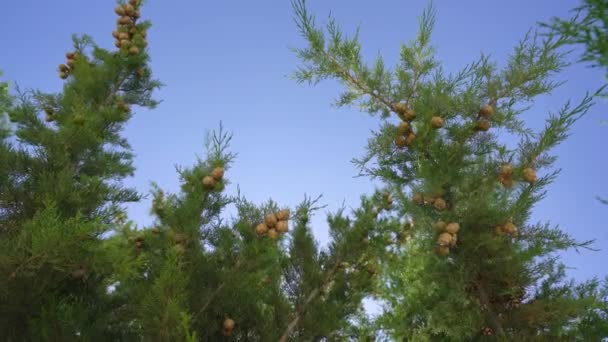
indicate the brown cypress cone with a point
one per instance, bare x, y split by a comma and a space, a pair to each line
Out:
452, 228
273, 234
400, 141
400, 108
271, 220
403, 128
486, 111
119, 10
410, 139
482, 126
209, 182
506, 170
529, 175
283, 215
440, 204
442, 250
218, 173
437, 122
134, 50
261, 229
282, 227
410, 115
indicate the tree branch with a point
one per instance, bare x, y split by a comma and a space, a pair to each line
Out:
300, 312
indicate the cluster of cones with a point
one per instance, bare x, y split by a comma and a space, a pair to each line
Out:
436, 201
483, 124
217, 174
65, 70
128, 36
448, 236
405, 135
274, 224
487, 331
506, 229
506, 175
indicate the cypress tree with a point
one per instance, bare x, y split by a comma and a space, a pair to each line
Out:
473, 264
61, 169
445, 243
73, 266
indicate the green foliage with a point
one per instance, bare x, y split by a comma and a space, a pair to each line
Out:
587, 27
74, 267
4, 105
488, 281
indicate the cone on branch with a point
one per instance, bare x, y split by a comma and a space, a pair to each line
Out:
500, 231
209, 182
410, 115
506, 170
452, 228
445, 239
124, 21
129, 9
261, 229
439, 226
283, 215
122, 106
529, 175
403, 128
410, 139
218, 173
228, 327
482, 126
454, 240
487, 331
282, 227
510, 228
401, 141
506, 229
270, 220
486, 111
134, 50
273, 234
120, 10
442, 250
400, 108
440, 204
437, 122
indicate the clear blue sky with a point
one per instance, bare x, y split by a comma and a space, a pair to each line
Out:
230, 61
